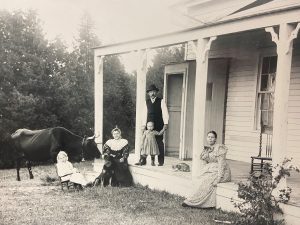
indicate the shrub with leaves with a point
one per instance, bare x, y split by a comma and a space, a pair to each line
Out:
259, 203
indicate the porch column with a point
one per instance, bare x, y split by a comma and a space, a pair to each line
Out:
98, 107
140, 98
203, 46
280, 119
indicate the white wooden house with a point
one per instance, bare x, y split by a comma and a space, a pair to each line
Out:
241, 78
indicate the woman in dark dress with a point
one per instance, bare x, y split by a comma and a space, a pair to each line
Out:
116, 152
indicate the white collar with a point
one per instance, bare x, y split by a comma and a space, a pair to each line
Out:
116, 145
153, 99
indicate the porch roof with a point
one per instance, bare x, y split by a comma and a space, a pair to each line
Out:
269, 14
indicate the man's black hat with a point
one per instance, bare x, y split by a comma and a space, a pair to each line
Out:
152, 87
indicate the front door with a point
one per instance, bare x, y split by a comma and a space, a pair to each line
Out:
215, 96
174, 97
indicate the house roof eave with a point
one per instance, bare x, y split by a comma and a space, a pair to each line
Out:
226, 26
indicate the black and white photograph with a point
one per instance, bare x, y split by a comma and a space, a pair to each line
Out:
142, 112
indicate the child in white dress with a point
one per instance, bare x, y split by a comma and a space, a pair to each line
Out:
149, 144
66, 171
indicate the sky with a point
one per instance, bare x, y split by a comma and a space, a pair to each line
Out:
115, 20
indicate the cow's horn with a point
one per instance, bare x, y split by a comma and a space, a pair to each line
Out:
89, 138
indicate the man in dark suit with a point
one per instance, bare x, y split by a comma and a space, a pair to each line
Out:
155, 110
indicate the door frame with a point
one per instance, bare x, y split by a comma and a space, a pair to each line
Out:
175, 69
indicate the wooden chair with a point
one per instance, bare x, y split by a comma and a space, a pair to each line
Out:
64, 183
258, 162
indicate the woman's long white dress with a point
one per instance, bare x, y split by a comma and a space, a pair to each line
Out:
215, 168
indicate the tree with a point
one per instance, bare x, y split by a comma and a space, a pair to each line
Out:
164, 56
75, 97
119, 106
26, 72
43, 85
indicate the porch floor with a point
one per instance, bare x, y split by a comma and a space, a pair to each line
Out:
239, 172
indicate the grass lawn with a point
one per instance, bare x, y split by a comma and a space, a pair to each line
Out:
39, 202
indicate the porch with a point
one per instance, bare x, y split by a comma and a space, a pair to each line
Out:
164, 178
180, 183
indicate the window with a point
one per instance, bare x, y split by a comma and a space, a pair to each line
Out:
265, 94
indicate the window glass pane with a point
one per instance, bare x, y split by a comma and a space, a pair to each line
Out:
270, 119
264, 82
271, 101
265, 65
264, 104
266, 100
271, 83
264, 118
273, 64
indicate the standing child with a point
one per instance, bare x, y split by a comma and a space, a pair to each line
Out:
149, 144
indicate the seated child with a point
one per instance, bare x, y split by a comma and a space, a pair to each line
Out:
66, 171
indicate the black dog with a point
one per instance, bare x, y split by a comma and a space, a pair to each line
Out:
106, 174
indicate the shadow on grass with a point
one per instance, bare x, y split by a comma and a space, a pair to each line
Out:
48, 180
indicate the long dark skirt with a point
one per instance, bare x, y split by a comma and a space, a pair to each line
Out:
118, 174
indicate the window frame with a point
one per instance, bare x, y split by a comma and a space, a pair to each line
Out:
259, 93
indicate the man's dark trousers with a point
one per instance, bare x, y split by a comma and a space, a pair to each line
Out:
161, 147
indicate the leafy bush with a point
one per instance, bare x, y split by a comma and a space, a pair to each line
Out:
259, 203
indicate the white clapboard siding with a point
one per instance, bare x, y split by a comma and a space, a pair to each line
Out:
294, 98
239, 123
239, 114
243, 79
237, 108
293, 115
293, 127
237, 119
241, 104
295, 69
242, 142
295, 85
293, 121
293, 136
240, 135
294, 110
243, 134
295, 92
239, 99
240, 94
238, 84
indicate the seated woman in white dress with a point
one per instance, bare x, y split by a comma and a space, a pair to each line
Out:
214, 170
66, 171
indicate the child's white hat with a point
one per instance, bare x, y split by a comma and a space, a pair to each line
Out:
61, 154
